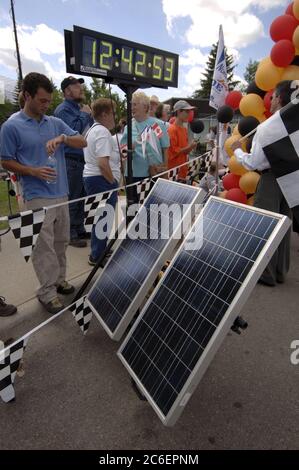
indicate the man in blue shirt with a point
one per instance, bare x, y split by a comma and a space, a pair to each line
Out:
26, 141
79, 119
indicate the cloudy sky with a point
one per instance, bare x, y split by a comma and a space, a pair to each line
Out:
186, 27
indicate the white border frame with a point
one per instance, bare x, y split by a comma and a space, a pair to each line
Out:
227, 321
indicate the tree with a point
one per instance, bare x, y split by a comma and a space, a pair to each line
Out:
57, 98
250, 71
6, 110
16, 94
206, 83
99, 89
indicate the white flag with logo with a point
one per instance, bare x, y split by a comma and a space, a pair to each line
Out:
219, 88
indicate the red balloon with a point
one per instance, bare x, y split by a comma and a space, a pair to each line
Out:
236, 195
172, 120
191, 115
233, 99
289, 10
268, 99
268, 114
231, 181
283, 27
283, 53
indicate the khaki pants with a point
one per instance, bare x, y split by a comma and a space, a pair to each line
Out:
49, 254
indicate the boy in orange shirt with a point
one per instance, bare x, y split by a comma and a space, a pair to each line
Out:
178, 135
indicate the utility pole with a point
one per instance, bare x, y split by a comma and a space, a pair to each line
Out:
20, 74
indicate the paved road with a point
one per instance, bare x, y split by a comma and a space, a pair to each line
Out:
77, 395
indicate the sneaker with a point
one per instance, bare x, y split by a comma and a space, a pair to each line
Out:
6, 309
109, 253
65, 288
54, 306
84, 236
91, 261
78, 243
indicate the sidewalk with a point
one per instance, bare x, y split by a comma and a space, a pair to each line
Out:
77, 395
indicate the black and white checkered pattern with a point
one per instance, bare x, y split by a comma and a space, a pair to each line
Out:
9, 363
173, 174
193, 168
208, 161
91, 207
82, 314
26, 227
143, 188
279, 139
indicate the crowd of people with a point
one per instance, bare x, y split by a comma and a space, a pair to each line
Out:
89, 160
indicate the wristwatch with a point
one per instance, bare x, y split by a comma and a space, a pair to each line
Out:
64, 138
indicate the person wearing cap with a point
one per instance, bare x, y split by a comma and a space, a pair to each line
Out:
178, 135
27, 139
77, 117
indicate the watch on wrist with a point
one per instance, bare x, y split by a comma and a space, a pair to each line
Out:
64, 138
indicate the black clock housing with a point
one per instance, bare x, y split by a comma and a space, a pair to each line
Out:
118, 60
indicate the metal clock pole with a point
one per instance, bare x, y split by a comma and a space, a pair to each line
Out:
129, 90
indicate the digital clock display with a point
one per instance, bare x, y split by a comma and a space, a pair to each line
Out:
98, 54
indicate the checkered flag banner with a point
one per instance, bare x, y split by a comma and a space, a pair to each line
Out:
9, 362
143, 188
193, 167
173, 174
26, 227
208, 161
279, 139
91, 207
82, 314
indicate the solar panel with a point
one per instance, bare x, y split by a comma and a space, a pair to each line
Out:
197, 301
137, 260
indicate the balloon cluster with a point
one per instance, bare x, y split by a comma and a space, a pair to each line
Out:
282, 64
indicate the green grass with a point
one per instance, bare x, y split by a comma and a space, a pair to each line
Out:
4, 206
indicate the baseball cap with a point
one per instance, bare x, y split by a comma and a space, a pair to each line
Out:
182, 104
70, 81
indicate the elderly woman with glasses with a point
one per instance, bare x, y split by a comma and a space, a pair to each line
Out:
149, 137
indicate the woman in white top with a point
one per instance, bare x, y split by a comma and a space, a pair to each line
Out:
101, 170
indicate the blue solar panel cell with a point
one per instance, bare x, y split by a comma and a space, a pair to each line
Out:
148, 237
183, 315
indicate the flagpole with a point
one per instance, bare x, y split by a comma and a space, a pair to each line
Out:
218, 94
217, 159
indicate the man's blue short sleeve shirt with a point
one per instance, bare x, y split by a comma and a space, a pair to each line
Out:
24, 139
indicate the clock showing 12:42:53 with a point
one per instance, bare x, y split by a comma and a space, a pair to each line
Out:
98, 54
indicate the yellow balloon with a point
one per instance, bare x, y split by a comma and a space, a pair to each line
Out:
291, 73
268, 75
250, 201
235, 167
229, 142
249, 181
262, 118
236, 130
252, 105
223, 194
296, 38
266, 60
296, 9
